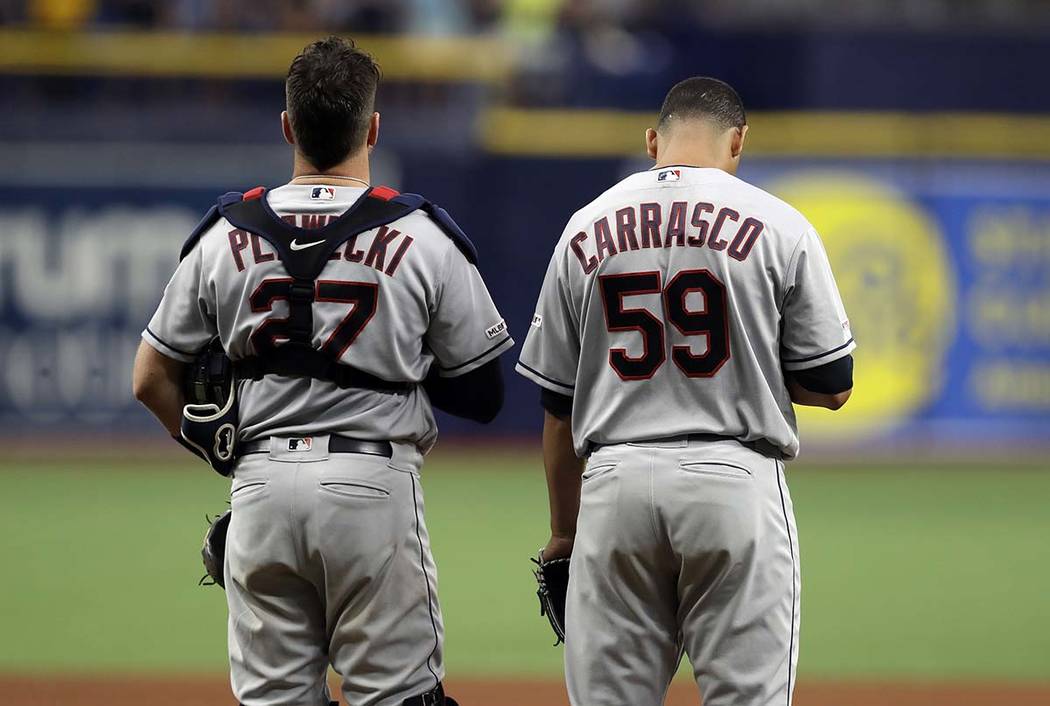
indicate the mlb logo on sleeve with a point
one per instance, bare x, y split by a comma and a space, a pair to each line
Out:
669, 175
323, 193
496, 329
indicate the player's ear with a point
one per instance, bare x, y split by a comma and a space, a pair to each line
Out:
286, 128
650, 142
373, 132
737, 144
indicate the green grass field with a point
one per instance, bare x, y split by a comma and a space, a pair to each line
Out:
937, 572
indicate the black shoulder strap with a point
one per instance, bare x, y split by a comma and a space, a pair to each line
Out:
377, 207
210, 218
443, 221
305, 252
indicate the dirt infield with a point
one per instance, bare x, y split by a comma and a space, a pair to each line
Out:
213, 691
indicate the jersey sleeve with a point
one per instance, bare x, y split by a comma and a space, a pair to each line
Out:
466, 330
551, 353
814, 326
183, 323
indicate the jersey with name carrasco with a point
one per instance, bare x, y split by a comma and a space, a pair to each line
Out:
673, 305
407, 298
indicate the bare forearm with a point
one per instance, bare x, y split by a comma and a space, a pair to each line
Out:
157, 383
167, 408
563, 469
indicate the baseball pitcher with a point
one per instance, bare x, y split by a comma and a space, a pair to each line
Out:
344, 312
682, 314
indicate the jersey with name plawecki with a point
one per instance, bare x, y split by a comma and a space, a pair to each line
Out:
431, 308
673, 305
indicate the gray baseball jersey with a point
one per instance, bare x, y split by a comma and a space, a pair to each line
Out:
673, 304
426, 305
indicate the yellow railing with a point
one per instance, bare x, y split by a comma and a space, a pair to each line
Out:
611, 133
213, 55
512, 131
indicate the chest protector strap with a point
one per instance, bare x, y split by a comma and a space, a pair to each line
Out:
304, 254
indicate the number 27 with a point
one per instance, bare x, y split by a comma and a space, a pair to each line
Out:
363, 296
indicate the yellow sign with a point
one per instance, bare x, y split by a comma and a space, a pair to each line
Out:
898, 288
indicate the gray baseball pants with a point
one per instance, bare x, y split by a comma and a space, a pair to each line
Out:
328, 562
683, 546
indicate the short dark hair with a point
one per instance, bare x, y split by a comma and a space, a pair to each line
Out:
330, 93
704, 97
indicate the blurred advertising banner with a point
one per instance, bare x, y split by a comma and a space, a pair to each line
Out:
944, 268
946, 278
79, 274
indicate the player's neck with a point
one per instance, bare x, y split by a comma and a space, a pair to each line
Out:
688, 158
693, 145
353, 168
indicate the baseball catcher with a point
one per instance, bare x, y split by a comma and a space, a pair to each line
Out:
300, 349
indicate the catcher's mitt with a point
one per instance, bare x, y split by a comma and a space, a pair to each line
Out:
553, 579
214, 550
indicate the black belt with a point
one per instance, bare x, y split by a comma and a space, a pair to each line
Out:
336, 445
434, 697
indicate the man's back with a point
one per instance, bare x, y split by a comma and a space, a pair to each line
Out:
381, 306
682, 314
685, 294
346, 313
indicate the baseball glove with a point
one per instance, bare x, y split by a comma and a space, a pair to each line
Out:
553, 579
214, 551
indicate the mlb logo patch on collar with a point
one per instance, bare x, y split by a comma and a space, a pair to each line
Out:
669, 175
323, 193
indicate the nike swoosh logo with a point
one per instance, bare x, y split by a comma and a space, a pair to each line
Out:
303, 246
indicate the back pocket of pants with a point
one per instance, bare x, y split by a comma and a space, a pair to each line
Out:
725, 469
598, 470
354, 489
246, 488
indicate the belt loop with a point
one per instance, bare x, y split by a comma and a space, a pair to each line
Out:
406, 456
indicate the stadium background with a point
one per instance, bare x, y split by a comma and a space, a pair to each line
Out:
915, 135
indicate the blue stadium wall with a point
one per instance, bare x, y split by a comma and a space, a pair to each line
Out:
944, 267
